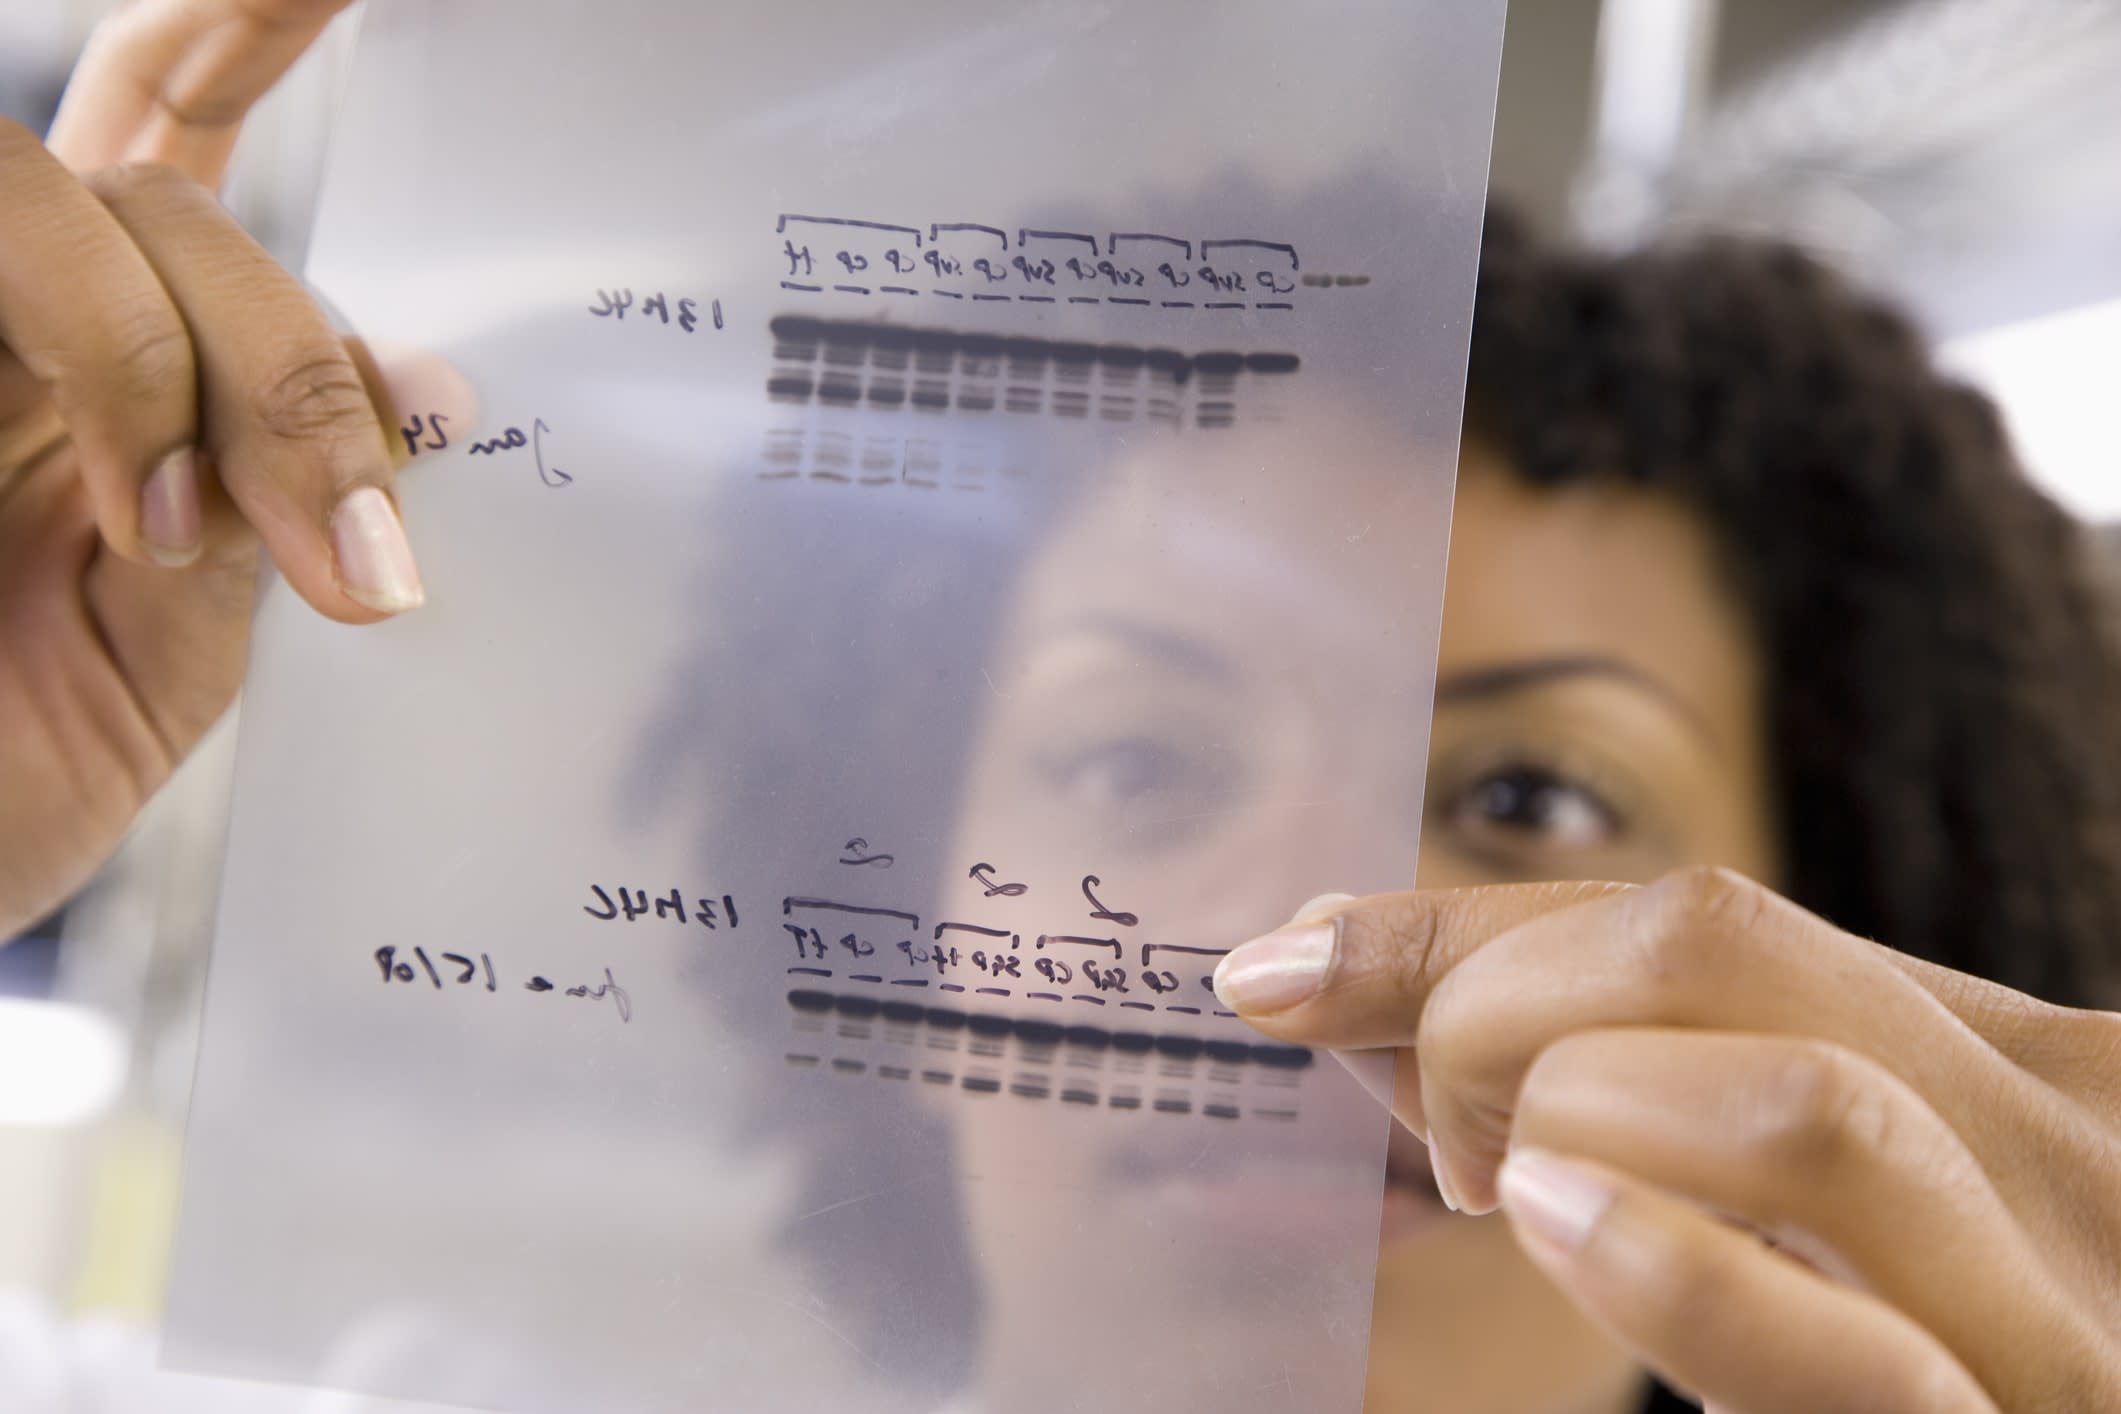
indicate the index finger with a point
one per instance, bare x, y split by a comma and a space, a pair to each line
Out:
170, 81
1359, 974
86, 315
1383, 956
1474, 990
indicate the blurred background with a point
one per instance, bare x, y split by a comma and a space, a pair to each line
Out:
1962, 155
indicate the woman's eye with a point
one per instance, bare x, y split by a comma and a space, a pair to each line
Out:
1114, 773
1538, 806
1163, 788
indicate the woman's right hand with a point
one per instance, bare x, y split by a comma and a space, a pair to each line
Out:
170, 398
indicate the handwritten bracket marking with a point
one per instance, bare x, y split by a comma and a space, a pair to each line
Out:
1024, 237
781, 226
1151, 948
1112, 244
936, 229
942, 928
1068, 940
790, 905
1282, 246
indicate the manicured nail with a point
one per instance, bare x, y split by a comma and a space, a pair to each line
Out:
170, 529
1276, 972
1559, 1200
375, 560
1442, 1174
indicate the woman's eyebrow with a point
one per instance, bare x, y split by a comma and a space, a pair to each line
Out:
1167, 647
1501, 679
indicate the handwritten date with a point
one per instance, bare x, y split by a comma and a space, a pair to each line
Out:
399, 968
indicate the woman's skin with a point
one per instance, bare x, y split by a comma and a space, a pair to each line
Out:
1938, 1159
1176, 683
169, 398
1597, 717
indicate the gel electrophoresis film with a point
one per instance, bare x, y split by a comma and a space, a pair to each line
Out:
938, 535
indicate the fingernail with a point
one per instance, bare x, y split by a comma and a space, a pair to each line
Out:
1559, 1200
375, 559
170, 530
1276, 972
1442, 1173
1323, 904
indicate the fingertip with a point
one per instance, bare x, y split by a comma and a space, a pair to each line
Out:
423, 402
1274, 973
1460, 1193
1558, 1201
1463, 1184
415, 380
1284, 968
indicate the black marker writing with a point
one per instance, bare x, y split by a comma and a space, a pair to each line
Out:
611, 989
613, 304
857, 854
396, 970
980, 875
1098, 910
635, 903
428, 427
551, 476
512, 438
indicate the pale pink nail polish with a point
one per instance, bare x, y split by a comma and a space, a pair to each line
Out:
1276, 972
375, 560
1445, 1190
1556, 1199
170, 524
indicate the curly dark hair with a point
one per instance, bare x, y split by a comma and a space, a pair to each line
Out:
1939, 652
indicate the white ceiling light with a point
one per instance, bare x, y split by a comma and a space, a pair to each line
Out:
59, 1064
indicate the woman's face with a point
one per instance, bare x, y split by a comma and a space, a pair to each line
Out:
1596, 716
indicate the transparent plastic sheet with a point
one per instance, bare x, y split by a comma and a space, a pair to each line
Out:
945, 537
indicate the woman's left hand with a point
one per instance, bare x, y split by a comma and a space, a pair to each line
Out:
1792, 1169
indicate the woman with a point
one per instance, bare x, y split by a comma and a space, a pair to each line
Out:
1737, 584
1655, 658
1818, 631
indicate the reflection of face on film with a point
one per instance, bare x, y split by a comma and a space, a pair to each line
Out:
1208, 696
1208, 677
1217, 698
